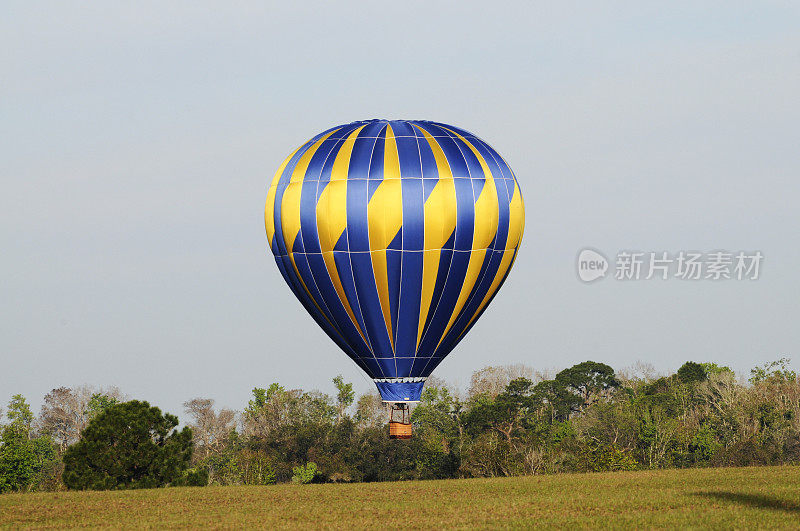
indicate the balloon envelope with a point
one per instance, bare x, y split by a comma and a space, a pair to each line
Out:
395, 236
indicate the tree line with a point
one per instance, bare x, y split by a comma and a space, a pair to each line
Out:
511, 421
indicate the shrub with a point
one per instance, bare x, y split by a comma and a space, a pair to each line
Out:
603, 458
194, 477
304, 474
704, 443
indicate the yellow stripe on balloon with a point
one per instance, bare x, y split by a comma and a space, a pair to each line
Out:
487, 208
516, 224
332, 202
505, 264
487, 216
305, 288
269, 210
290, 203
516, 221
332, 219
290, 212
440, 222
517, 211
385, 218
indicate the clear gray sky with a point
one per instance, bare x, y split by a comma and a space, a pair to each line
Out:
138, 143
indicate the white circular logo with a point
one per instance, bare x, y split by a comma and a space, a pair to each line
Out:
591, 265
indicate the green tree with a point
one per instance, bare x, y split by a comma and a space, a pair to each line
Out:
704, 443
506, 413
344, 397
438, 412
440, 432
589, 380
774, 371
555, 400
99, 403
20, 415
713, 368
24, 458
692, 372
129, 445
275, 409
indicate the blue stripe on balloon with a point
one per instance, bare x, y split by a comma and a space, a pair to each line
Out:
397, 242
407, 319
489, 267
292, 164
507, 172
489, 302
413, 215
308, 217
329, 147
503, 194
473, 165
430, 172
357, 199
427, 187
280, 244
454, 277
408, 151
430, 366
343, 266
388, 367
297, 246
463, 132
341, 243
404, 365
374, 370
451, 150
465, 217
334, 305
444, 309
303, 268
285, 267
393, 270
445, 259
324, 156
401, 128
418, 366
408, 312
375, 174
361, 157
367, 294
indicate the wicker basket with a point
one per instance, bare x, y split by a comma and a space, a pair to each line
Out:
399, 430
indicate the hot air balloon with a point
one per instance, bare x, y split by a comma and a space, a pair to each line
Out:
395, 235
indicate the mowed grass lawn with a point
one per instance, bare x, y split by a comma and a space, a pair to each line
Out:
732, 497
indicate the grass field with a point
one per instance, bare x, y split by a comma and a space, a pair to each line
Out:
733, 497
